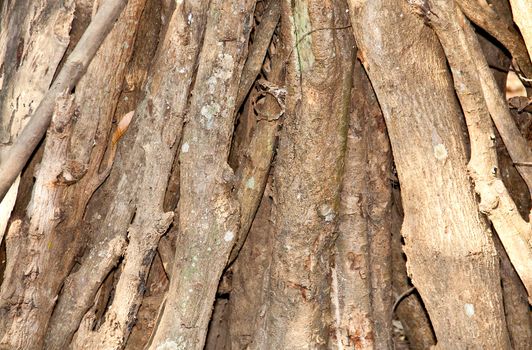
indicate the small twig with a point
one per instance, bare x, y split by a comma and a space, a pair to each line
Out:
523, 163
74, 68
401, 297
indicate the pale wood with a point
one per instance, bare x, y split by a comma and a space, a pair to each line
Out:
477, 91
522, 12
445, 236
18, 154
208, 210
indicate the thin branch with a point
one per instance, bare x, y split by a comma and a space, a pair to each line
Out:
500, 29
402, 297
75, 66
263, 36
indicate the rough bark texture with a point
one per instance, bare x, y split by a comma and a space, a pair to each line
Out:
307, 175
480, 99
516, 307
198, 121
521, 10
445, 237
409, 310
67, 204
361, 279
208, 229
256, 136
33, 39
351, 278
499, 25
69, 75
251, 272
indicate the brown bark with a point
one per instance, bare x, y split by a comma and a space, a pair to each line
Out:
208, 220
217, 337
521, 10
156, 287
409, 310
43, 238
480, 98
307, 175
256, 138
500, 27
160, 117
516, 307
198, 121
251, 271
377, 211
445, 237
261, 41
75, 66
31, 47
361, 281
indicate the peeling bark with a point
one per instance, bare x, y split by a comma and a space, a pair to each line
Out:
160, 117
69, 209
247, 206
18, 154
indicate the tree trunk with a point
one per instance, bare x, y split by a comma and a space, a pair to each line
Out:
218, 174
443, 231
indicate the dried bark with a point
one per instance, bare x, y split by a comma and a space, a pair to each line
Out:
261, 41
477, 91
256, 139
445, 237
203, 88
251, 272
500, 27
516, 307
160, 117
33, 39
208, 228
25, 305
307, 175
521, 10
18, 154
156, 287
217, 337
409, 310
43, 237
361, 281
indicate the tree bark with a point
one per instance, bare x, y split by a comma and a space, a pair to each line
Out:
307, 174
361, 278
209, 213
220, 177
445, 237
